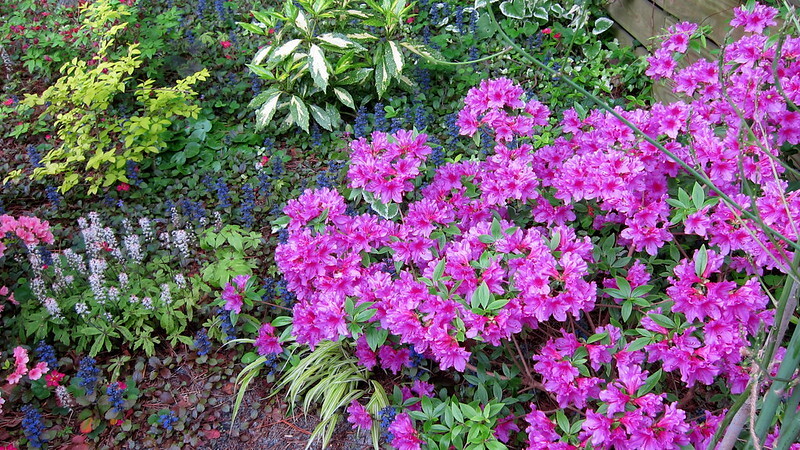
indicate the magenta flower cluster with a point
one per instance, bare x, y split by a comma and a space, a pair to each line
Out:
454, 267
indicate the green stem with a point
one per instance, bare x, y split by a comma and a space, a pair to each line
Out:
773, 398
604, 106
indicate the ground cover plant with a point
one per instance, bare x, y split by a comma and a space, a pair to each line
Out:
497, 241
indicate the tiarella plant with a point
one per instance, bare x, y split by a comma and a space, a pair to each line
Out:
490, 252
114, 290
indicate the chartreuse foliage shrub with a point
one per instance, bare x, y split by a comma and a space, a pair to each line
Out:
615, 287
95, 145
321, 53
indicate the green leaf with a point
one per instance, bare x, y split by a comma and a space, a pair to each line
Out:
284, 50
650, 383
261, 54
318, 67
394, 58
515, 9
339, 41
376, 337
627, 308
601, 25
267, 110
638, 344
382, 77
255, 29
698, 196
701, 261
344, 97
321, 116
299, 112
480, 298
662, 320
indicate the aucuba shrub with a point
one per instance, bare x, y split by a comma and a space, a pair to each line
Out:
630, 286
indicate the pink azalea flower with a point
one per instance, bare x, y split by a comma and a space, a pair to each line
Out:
405, 437
359, 416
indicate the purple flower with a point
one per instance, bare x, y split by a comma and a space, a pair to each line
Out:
359, 416
266, 342
233, 300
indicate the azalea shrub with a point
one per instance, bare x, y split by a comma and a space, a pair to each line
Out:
604, 296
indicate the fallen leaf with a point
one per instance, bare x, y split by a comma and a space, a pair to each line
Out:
87, 425
212, 434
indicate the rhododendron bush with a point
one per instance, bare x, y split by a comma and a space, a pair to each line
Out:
621, 287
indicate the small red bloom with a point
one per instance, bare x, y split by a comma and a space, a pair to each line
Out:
410, 20
8, 102
225, 44
547, 31
54, 378
271, 31
123, 187
557, 36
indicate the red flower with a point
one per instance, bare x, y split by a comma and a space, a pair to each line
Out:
225, 44
8, 102
123, 187
54, 378
557, 36
547, 31
410, 20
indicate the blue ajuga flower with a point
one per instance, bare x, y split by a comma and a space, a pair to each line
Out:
219, 7
255, 83
47, 353
115, 393
397, 124
264, 184
277, 167
225, 324
284, 295
88, 372
437, 153
35, 157
473, 23
53, 196
248, 204
426, 35
45, 255
380, 117
459, 18
486, 142
168, 420
271, 362
452, 128
316, 135
420, 116
424, 78
223, 193
434, 14
386, 416
132, 172
202, 343
201, 8
360, 126
33, 426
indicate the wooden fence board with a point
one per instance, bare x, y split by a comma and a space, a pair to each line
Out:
640, 18
717, 13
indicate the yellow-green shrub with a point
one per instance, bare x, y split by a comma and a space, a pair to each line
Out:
95, 146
